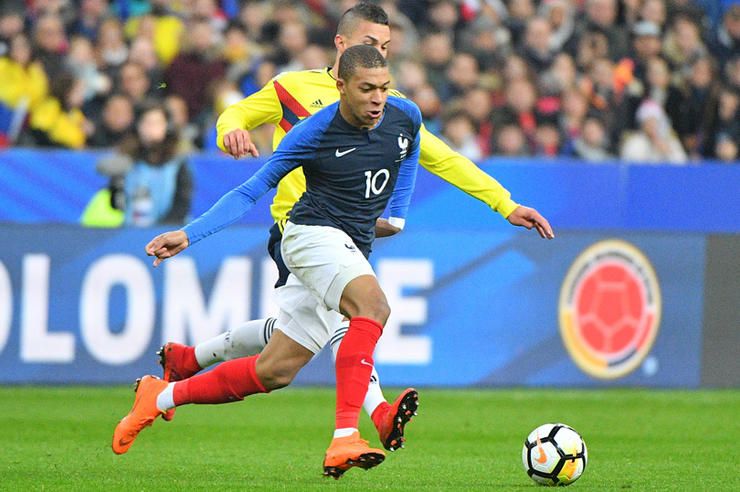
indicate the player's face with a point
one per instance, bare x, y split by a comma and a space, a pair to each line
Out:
364, 95
368, 33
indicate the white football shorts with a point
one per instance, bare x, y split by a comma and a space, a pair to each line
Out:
324, 259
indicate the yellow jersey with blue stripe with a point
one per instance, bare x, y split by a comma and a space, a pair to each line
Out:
292, 96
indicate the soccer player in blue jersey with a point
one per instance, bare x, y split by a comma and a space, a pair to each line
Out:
358, 155
283, 101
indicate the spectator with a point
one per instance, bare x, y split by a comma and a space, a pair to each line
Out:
547, 140
537, 49
477, 104
111, 46
11, 24
726, 149
601, 16
430, 106
593, 142
24, 78
436, 52
459, 132
194, 70
81, 62
487, 41
654, 142
410, 76
50, 43
560, 14
89, 18
646, 44
292, 41
683, 44
510, 141
572, 116
162, 26
462, 75
726, 39
116, 122
58, 120
654, 11
134, 82
725, 125
149, 181
142, 52
697, 106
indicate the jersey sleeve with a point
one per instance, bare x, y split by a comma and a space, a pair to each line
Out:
299, 145
438, 158
398, 205
259, 108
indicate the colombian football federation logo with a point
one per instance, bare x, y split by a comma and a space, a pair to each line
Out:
610, 309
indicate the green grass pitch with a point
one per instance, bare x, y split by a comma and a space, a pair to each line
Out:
58, 438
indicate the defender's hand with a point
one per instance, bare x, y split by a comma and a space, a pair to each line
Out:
167, 245
529, 218
238, 143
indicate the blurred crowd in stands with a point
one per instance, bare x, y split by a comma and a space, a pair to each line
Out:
641, 80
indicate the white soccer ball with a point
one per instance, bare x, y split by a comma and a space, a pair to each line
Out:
554, 454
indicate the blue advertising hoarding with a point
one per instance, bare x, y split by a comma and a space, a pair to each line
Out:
470, 307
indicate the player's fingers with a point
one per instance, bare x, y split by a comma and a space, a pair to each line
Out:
241, 144
229, 143
154, 245
253, 150
546, 227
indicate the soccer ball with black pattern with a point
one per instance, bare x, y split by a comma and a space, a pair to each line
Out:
554, 454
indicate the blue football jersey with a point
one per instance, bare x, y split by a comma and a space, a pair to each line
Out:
352, 174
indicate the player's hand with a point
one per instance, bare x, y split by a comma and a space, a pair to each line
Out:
531, 218
167, 245
383, 228
238, 144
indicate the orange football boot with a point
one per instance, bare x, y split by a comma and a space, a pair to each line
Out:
398, 415
347, 452
142, 414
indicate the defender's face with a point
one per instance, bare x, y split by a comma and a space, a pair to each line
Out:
364, 95
368, 33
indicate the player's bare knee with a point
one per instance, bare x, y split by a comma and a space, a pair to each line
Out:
376, 307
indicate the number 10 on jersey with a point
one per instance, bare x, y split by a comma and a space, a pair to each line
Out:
375, 182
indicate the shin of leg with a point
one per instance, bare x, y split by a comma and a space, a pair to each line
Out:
281, 360
363, 297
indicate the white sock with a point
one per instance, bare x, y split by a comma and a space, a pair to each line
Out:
347, 431
166, 399
374, 395
247, 339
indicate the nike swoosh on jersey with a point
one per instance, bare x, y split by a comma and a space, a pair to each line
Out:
363, 361
340, 154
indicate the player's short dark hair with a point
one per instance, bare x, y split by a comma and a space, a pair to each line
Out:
362, 11
361, 55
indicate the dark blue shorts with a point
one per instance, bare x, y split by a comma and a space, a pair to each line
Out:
273, 249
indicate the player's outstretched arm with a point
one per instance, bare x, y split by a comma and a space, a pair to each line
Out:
531, 218
167, 245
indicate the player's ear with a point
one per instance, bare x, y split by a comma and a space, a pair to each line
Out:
340, 86
339, 43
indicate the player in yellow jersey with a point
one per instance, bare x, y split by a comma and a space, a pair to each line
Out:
285, 100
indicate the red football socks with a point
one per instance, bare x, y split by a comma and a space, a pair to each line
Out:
229, 381
354, 365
